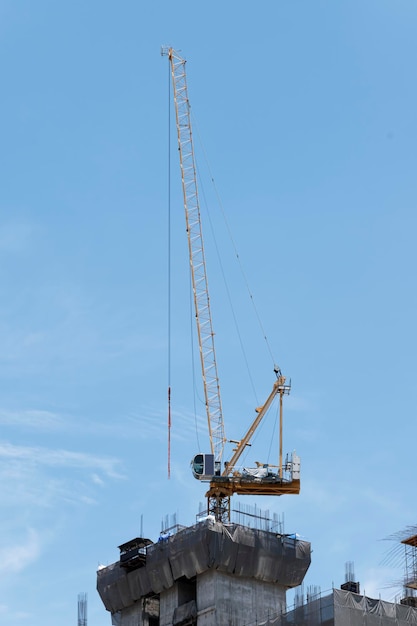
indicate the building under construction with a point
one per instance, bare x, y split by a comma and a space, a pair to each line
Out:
215, 574
210, 574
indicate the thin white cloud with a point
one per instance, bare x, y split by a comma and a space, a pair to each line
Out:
32, 418
87, 500
15, 235
380, 579
146, 424
60, 458
20, 347
97, 480
35, 479
154, 424
15, 558
299, 403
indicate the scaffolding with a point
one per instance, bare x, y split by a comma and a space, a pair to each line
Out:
404, 555
410, 562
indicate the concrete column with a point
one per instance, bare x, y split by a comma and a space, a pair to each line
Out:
226, 600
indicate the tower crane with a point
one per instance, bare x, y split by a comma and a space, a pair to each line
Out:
207, 467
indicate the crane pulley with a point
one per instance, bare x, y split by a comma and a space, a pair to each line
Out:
208, 467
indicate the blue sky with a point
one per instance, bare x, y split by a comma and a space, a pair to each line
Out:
307, 116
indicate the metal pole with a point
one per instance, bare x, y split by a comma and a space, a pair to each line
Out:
281, 393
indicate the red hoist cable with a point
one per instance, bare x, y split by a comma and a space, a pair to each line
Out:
169, 432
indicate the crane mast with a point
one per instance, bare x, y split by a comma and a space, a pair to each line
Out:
197, 256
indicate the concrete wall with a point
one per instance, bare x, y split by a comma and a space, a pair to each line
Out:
168, 604
225, 600
138, 614
132, 616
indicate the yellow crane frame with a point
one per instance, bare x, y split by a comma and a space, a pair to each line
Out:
223, 483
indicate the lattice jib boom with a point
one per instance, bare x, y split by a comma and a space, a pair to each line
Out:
197, 256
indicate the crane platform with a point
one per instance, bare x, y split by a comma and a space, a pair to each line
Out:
243, 485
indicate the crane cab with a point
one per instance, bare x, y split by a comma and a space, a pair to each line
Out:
203, 466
